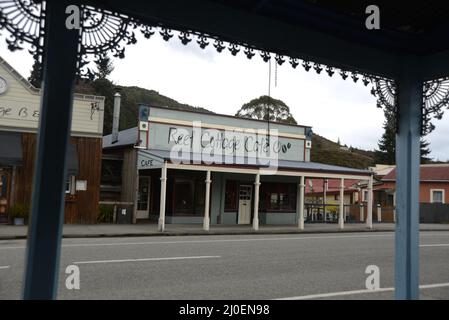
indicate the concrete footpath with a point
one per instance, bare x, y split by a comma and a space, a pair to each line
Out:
144, 230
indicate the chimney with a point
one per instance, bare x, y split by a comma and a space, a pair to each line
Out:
116, 117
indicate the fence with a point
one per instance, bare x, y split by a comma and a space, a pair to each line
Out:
315, 212
434, 213
429, 213
116, 212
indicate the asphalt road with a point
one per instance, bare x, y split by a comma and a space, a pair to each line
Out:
319, 266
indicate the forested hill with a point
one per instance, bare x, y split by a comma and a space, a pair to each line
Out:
323, 150
329, 152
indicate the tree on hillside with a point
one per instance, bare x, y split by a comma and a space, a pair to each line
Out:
387, 143
267, 108
103, 86
104, 67
35, 77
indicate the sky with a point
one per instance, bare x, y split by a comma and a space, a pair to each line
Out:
336, 109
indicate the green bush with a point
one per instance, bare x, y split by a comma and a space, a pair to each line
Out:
19, 210
106, 214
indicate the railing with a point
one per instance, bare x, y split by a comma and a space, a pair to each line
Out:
352, 213
329, 213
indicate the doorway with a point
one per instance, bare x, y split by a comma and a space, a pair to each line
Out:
5, 183
143, 198
245, 197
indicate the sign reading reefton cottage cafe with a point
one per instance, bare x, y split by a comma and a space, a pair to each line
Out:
246, 142
210, 138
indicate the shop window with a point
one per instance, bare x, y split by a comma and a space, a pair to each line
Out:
277, 197
200, 196
274, 199
184, 196
3, 186
231, 195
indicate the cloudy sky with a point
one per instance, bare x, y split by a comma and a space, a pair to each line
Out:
336, 109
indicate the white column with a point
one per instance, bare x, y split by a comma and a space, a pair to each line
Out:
256, 203
379, 213
136, 193
369, 214
206, 221
324, 199
394, 206
341, 220
161, 224
362, 218
300, 203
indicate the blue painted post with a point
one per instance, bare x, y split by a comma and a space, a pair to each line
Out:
47, 215
410, 98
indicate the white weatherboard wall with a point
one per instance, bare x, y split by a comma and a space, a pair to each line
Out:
20, 103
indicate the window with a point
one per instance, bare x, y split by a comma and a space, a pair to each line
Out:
189, 191
437, 195
3, 185
143, 193
200, 196
364, 195
70, 185
184, 196
277, 197
231, 195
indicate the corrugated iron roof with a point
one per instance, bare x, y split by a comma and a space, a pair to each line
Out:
432, 172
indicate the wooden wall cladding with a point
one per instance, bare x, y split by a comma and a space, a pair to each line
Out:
81, 207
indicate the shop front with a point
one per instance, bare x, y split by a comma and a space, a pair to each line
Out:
19, 120
205, 168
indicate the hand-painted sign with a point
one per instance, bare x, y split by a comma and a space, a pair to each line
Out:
146, 160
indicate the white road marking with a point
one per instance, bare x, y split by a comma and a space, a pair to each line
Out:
4, 267
145, 259
435, 245
382, 235
212, 241
363, 291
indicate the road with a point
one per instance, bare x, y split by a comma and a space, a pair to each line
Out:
319, 266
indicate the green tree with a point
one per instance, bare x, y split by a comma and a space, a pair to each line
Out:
104, 67
387, 143
103, 86
35, 77
267, 108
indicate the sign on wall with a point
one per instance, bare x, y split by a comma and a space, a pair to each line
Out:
216, 137
146, 160
20, 105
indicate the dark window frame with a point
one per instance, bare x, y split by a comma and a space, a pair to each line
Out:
234, 184
267, 189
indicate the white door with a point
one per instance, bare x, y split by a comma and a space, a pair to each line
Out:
245, 193
143, 198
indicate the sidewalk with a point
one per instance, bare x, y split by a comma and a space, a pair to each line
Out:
141, 230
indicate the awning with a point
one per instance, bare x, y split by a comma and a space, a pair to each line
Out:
11, 152
10, 148
72, 160
189, 157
